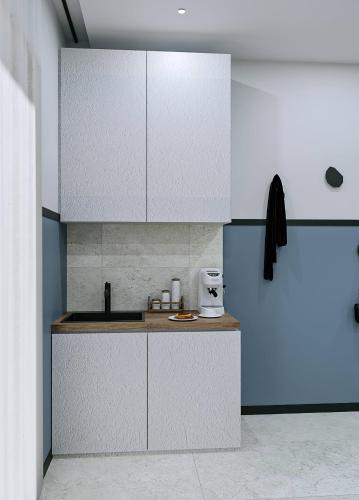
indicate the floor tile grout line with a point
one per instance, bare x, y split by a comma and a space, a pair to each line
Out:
199, 480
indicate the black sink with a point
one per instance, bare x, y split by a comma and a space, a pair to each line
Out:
99, 316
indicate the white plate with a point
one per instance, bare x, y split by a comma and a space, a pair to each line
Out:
173, 318
209, 317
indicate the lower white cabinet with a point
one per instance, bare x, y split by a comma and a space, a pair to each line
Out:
137, 391
99, 389
194, 390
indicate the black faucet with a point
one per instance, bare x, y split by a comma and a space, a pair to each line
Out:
107, 297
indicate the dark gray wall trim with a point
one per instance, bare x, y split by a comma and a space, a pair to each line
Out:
47, 462
311, 408
50, 214
247, 222
298, 222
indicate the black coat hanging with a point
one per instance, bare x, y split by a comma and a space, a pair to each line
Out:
276, 226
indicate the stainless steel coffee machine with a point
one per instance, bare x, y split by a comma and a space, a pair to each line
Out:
210, 293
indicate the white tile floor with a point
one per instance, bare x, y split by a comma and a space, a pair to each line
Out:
314, 455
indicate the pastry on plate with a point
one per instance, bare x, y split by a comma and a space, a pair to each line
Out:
184, 315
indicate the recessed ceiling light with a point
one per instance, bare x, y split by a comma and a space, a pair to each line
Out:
181, 11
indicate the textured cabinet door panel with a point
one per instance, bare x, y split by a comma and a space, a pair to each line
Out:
103, 135
188, 137
99, 392
194, 390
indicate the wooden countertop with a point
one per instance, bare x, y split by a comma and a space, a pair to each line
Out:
153, 322
159, 322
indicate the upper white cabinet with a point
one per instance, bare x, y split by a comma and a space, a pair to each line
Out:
103, 135
188, 137
145, 139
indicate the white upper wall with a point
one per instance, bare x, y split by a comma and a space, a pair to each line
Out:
51, 41
295, 120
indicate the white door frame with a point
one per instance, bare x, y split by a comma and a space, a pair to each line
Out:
20, 255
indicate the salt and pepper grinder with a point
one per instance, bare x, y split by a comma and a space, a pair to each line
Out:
156, 304
166, 298
176, 293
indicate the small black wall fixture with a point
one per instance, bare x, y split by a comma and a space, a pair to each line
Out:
356, 312
333, 177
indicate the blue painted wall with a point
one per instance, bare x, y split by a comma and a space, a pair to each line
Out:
300, 343
54, 304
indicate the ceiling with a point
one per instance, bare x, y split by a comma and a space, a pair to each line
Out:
285, 30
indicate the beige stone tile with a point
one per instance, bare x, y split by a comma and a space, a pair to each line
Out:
311, 457
151, 477
145, 257
131, 286
243, 475
206, 245
193, 287
307, 456
325, 497
271, 429
84, 255
162, 254
145, 233
84, 233
84, 289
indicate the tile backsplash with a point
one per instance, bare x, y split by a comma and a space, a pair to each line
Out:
139, 260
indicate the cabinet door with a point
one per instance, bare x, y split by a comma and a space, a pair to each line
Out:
188, 137
103, 135
194, 390
99, 393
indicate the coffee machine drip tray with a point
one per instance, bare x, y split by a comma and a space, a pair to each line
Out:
211, 312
